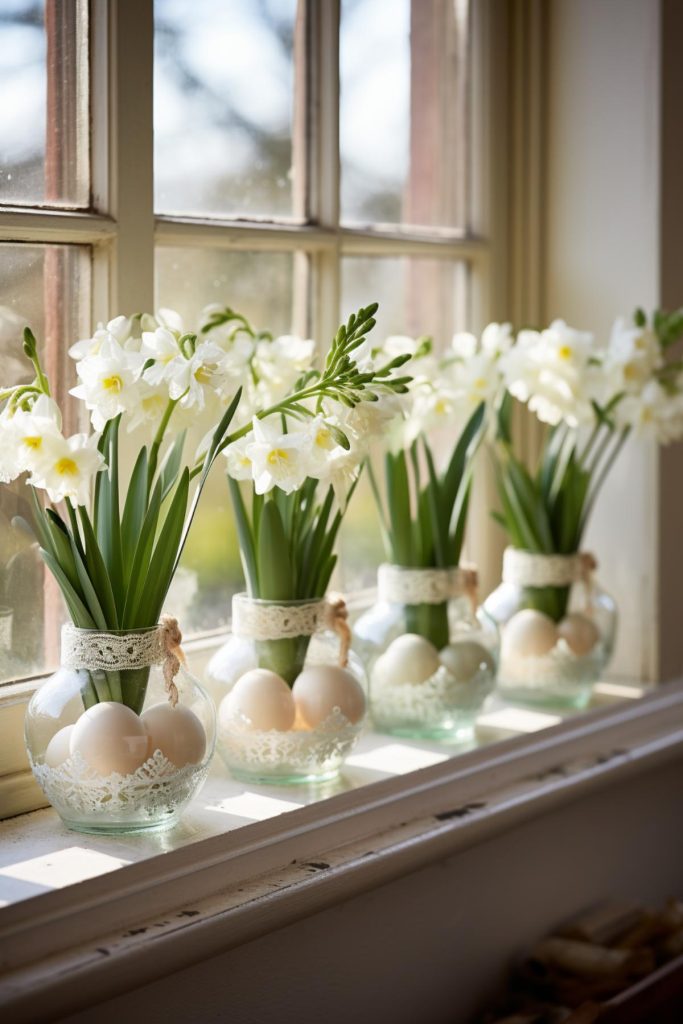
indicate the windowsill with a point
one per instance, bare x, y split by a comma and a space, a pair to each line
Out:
38, 854
245, 861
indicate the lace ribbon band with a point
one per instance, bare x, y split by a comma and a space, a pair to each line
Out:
527, 569
400, 585
99, 651
261, 620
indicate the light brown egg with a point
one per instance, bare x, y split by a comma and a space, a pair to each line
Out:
59, 749
110, 738
465, 658
322, 688
259, 700
529, 634
409, 659
176, 732
580, 632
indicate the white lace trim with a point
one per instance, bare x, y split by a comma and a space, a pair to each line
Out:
557, 674
399, 585
261, 620
298, 752
111, 652
155, 790
526, 569
441, 701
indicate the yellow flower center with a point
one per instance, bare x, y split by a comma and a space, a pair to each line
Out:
640, 343
277, 455
33, 442
66, 467
480, 383
565, 351
440, 407
113, 383
322, 438
202, 375
630, 372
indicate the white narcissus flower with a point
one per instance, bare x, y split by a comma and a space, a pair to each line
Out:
497, 339
655, 413
553, 372
321, 444
342, 469
633, 355
23, 436
119, 330
240, 465
368, 421
279, 363
187, 377
108, 382
66, 467
278, 460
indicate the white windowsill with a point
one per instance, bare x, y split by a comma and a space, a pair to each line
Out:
217, 884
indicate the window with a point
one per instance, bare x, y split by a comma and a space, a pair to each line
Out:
271, 155
296, 193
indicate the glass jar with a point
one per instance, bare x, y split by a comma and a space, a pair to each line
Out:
430, 653
121, 736
289, 692
557, 628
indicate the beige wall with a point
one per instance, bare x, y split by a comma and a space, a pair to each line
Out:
602, 255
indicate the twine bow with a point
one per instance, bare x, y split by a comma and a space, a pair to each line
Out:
171, 639
470, 585
337, 619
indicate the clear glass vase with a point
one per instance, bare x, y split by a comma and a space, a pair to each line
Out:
557, 629
118, 741
430, 653
291, 702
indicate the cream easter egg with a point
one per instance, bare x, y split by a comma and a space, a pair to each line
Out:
529, 634
320, 689
110, 737
409, 659
259, 700
59, 748
580, 633
465, 658
176, 732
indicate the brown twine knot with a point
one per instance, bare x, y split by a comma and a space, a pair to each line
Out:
171, 639
337, 618
470, 584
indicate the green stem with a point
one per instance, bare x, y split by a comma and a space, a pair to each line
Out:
158, 441
429, 621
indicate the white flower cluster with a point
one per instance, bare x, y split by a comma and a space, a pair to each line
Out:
564, 376
122, 370
31, 441
446, 390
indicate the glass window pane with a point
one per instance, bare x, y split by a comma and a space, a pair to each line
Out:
416, 296
260, 286
47, 287
403, 114
44, 144
223, 106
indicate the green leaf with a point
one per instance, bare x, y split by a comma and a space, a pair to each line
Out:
97, 571
275, 575
164, 559
79, 613
170, 467
141, 561
438, 510
246, 539
134, 513
398, 500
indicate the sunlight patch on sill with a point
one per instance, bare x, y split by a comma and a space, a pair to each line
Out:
396, 759
254, 806
63, 867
